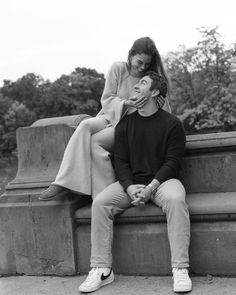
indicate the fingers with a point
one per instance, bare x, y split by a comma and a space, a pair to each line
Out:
133, 190
140, 102
136, 201
140, 186
140, 195
133, 197
139, 201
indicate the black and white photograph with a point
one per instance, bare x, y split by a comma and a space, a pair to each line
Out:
117, 147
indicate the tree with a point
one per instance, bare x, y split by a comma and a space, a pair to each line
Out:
203, 84
77, 93
31, 98
25, 89
88, 86
5, 103
18, 115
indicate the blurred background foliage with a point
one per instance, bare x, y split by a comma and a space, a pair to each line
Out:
203, 93
203, 84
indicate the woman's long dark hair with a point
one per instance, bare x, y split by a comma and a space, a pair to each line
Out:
147, 46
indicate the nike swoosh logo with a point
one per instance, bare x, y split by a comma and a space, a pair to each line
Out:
107, 276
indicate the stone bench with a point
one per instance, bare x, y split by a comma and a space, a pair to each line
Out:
54, 237
140, 236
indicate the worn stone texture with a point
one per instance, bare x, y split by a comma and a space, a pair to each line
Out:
140, 236
54, 237
37, 237
127, 285
141, 246
40, 150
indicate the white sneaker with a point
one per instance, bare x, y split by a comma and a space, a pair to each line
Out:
182, 281
97, 277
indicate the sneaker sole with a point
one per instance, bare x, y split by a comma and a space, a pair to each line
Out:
183, 290
62, 193
104, 283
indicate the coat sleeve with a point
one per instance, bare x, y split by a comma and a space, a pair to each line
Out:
166, 106
112, 105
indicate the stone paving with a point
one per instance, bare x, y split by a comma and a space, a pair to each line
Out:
130, 285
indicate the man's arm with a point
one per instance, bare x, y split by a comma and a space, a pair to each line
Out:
121, 162
121, 156
174, 154
171, 165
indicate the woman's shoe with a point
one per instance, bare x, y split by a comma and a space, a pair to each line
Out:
52, 192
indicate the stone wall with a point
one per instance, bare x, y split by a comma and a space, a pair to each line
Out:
53, 237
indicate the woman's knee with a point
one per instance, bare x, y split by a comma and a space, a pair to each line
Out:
103, 139
92, 125
98, 203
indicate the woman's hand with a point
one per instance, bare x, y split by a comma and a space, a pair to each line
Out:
137, 102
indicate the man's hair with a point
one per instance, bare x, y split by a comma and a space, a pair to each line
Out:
158, 82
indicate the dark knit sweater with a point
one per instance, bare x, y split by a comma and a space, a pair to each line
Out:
148, 147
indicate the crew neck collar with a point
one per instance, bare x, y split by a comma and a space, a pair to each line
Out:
151, 116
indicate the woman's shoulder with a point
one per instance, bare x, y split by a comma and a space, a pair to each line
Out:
119, 67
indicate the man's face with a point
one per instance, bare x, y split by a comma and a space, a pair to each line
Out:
142, 88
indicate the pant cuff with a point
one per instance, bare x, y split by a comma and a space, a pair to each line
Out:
180, 265
100, 264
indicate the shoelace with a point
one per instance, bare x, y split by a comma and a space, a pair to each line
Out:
181, 274
91, 273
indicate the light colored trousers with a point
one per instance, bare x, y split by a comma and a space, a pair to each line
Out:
170, 196
86, 166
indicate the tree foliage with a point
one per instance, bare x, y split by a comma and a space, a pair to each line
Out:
204, 84
203, 91
31, 98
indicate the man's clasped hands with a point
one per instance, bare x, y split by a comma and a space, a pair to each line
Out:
139, 193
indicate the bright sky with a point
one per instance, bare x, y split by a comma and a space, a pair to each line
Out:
53, 37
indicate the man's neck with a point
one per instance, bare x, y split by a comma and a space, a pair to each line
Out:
148, 109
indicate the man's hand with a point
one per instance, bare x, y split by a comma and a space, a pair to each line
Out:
139, 193
133, 190
145, 194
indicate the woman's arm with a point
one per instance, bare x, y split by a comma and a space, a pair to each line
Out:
166, 106
112, 104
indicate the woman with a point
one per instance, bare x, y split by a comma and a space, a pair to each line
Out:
86, 167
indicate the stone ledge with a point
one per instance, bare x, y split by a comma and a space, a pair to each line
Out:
211, 142
202, 207
72, 121
42, 145
40, 150
141, 246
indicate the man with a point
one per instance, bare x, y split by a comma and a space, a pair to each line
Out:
149, 146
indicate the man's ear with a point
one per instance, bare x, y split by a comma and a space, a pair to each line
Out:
155, 92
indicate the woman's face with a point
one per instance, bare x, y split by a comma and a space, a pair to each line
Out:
139, 63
